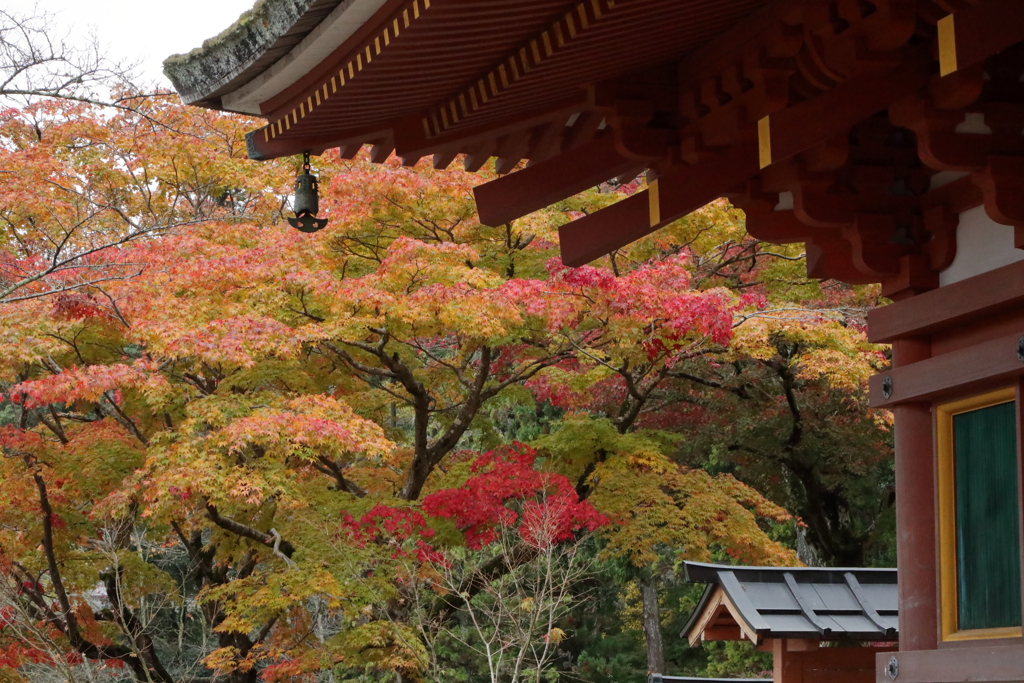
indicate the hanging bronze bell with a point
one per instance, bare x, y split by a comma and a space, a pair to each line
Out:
307, 200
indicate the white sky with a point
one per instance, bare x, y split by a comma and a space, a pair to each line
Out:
147, 31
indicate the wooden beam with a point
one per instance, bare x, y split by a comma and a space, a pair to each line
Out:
382, 149
802, 645
511, 150
829, 663
545, 183
600, 233
263, 148
582, 130
956, 305
786, 665
717, 606
781, 135
721, 633
711, 612
973, 34
981, 663
791, 131
349, 151
545, 142
443, 160
410, 138
669, 198
990, 364
829, 257
479, 155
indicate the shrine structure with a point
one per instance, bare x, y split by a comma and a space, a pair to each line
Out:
822, 625
886, 135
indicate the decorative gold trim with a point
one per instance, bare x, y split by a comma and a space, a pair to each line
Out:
946, 486
947, 45
507, 72
764, 142
984, 634
373, 46
654, 202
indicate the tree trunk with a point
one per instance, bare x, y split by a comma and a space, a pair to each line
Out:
652, 623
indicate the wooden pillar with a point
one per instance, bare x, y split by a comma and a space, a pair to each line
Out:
916, 553
787, 668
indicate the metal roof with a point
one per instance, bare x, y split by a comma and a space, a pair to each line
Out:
796, 602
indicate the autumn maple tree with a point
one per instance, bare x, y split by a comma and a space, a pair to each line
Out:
233, 451
80, 180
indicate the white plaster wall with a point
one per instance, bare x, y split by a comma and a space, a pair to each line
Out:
981, 245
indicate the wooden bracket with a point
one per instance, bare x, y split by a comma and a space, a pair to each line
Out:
540, 185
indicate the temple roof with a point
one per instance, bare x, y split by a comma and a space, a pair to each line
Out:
359, 71
862, 129
261, 43
793, 602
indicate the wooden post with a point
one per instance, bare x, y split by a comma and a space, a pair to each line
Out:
915, 511
787, 668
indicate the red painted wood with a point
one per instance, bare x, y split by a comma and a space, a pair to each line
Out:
786, 665
410, 139
809, 123
950, 306
986, 29
691, 188
858, 253
803, 662
315, 144
590, 237
598, 234
540, 185
829, 257
836, 659
969, 370
721, 633
976, 662
777, 227
976, 331
916, 536
457, 42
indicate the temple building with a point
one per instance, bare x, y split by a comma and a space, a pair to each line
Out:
886, 135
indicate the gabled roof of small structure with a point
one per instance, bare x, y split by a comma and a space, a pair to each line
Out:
793, 602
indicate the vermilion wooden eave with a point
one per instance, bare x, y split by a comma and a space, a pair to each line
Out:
792, 131
784, 134
424, 52
291, 105
988, 29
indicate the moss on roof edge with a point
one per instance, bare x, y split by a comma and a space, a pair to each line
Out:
201, 72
